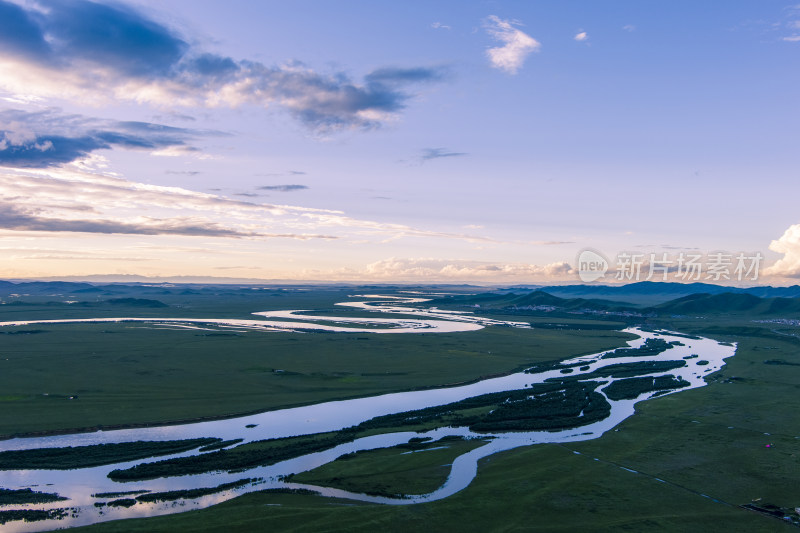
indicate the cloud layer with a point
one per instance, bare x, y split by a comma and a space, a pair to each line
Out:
49, 138
109, 50
517, 45
77, 198
439, 269
27, 219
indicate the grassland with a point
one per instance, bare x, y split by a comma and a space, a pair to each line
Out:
413, 468
684, 462
541, 488
90, 375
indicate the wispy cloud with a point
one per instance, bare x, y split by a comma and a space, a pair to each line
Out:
287, 173
183, 172
50, 138
440, 26
283, 188
438, 153
110, 51
789, 24
517, 44
22, 219
80, 199
581, 36
77, 257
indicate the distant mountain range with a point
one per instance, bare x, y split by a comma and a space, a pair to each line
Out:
652, 293
728, 302
703, 303
644, 298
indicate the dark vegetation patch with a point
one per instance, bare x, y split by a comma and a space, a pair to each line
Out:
32, 515
573, 406
544, 366
21, 496
624, 370
628, 389
250, 455
780, 362
24, 332
545, 406
650, 347
190, 494
122, 502
96, 455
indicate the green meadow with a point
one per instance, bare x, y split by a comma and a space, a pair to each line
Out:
725, 457
685, 462
82, 376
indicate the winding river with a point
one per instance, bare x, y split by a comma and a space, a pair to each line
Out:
701, 356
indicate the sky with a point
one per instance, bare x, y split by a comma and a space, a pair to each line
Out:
478, 142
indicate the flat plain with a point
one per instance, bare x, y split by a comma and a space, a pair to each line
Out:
690, 461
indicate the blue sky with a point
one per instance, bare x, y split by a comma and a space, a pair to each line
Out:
371, 141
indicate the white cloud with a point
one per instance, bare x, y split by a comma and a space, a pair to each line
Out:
430, 269
629, 27
789, 246
440, 26
581, 36
517, 45
792, 39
